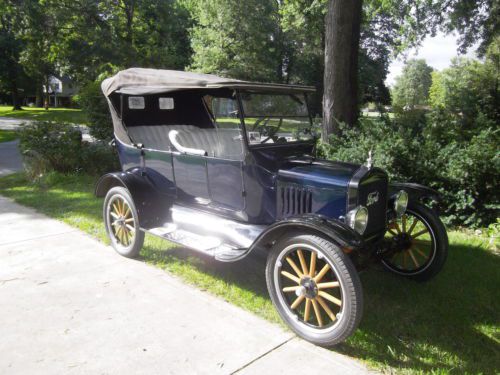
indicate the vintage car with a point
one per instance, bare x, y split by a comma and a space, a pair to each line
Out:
227, 167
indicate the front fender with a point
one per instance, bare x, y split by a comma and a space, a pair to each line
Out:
416, 192
153, 208
334, 230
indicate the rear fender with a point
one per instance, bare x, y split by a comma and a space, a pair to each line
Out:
153, 208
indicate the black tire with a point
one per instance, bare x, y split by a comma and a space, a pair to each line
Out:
345, 313
125, 241
428, 263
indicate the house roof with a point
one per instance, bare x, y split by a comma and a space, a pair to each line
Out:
141, 81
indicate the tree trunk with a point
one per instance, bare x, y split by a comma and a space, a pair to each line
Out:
16, 104
340, 96
39, 95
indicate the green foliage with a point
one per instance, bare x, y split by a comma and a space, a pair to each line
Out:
466, 96
95, 107
237, 39
412, 86
48, 146
467, 174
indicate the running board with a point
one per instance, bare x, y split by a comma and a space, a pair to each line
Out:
225, 240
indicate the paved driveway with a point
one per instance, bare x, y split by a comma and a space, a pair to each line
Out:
70, 305
10, 158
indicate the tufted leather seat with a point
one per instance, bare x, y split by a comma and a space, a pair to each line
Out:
222, 143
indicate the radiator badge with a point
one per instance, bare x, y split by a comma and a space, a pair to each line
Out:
372, 198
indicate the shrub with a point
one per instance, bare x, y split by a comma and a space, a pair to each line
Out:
466, 173
95, 106
50, 146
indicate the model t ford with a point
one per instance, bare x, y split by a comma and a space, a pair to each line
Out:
225, 167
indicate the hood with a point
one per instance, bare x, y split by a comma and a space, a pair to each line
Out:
317, 173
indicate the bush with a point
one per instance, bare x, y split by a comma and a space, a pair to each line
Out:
466, 173
48, 146
95, 106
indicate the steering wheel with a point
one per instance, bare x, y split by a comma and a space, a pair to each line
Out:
265, 130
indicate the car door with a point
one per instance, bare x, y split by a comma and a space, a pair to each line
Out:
225, 168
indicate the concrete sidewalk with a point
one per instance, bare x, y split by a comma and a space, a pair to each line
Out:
72, 305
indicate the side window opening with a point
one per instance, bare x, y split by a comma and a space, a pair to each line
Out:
136, 102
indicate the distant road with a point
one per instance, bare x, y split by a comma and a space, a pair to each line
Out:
9, 123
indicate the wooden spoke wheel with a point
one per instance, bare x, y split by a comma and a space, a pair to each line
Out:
315, 288
122, 225
122, 221
420, 241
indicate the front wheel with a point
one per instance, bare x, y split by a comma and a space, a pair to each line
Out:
421, 242
315, 288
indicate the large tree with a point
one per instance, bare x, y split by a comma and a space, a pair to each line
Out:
412, 86
237, 39
11, 46
407, 22
343, 30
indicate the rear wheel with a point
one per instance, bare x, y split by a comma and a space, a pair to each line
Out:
315, 288
422, 244
122, 222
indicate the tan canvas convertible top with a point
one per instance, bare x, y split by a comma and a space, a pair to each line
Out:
141, 81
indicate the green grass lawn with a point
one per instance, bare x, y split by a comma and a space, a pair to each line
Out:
448, 325
75, 116
7, 135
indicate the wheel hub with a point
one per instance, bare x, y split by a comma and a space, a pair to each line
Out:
403, 241
309, 287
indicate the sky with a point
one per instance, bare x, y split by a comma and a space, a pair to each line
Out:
437, 51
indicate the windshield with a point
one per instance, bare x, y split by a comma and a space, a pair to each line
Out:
276, 118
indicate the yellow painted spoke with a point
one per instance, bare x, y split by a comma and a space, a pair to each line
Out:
327, 309
120, 209
412, 226
291, 288
127, 212
403, 219
423, 231
297, 302
119, 234
115, 216
130, 228
413, 258
294, 266
317, 312
420, 252
290, 276
322, 273
333, 284
116, 208
312, 267
392, 232
307, 312
422, 242
405, 260
129, 220
396, 225
330, 298
302, 261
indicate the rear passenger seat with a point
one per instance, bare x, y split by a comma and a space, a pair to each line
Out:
222, 143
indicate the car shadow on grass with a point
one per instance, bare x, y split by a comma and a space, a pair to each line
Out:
448, 324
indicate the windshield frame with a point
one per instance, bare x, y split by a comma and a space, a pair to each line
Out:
241, 114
